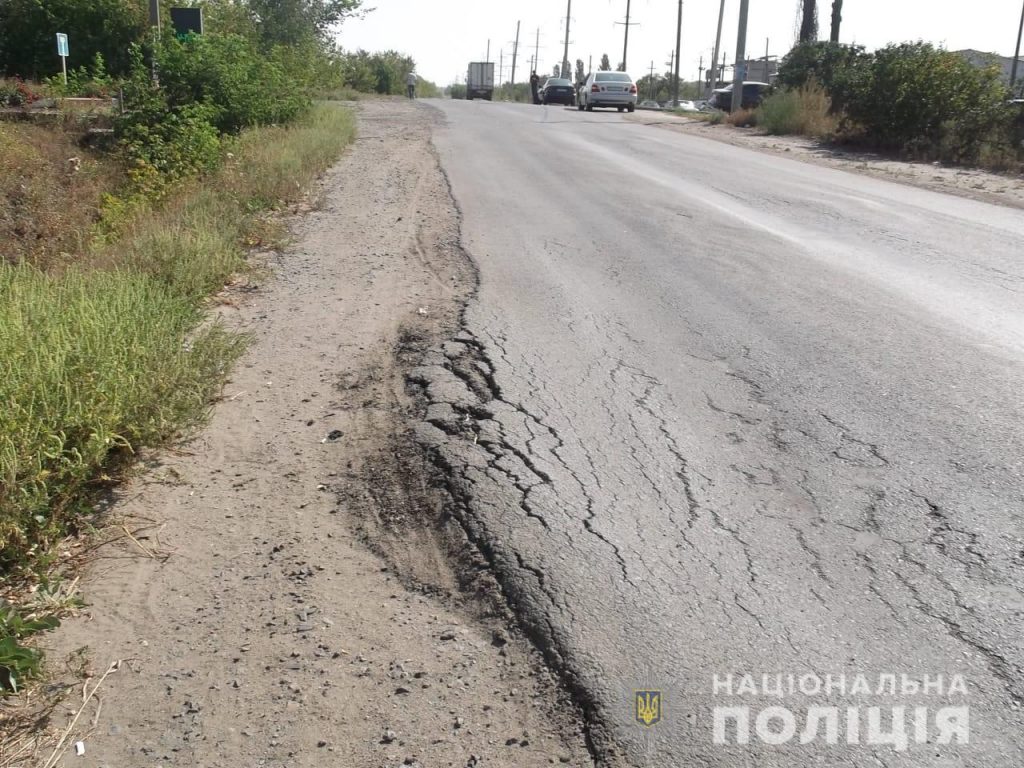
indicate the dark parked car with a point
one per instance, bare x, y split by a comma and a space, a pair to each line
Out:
753, 95
558, 90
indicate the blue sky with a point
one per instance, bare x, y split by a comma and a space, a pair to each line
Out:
444, 35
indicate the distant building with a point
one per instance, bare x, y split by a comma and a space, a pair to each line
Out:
756, 70
982, 59
761, 70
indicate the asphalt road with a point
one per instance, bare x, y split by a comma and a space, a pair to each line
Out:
743, 415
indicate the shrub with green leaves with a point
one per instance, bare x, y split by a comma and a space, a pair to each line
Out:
838, 68
19, 662
927, 102
241, 85
92, 81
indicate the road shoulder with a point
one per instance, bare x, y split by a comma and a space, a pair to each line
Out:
293, 594
985, 186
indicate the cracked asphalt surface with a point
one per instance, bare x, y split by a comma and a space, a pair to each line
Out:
716, 412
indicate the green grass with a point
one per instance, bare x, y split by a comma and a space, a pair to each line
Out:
108, 350
94, 364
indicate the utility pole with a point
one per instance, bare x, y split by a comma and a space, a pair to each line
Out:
488, 59
1016, 53
650, 82
515, 52
625, 42
679, 39
501, 66
767, 75
565, 51
738, 73
536, 52
718, 42
700, 74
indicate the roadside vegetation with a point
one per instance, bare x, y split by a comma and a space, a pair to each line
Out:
922, 102
110, 249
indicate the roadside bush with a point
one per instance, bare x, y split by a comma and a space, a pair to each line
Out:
241, 85
838, 68
927, 102
92, 81
105, 27
806, 111
17, 93
382, 72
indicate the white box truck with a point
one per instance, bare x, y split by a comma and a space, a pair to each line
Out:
480, 80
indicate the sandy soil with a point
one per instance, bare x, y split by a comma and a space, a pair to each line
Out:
308, 603
1001, 189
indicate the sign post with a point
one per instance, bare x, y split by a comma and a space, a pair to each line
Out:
62, 51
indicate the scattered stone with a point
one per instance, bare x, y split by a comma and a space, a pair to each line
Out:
499, 638
401, 690
388, 737
448, 635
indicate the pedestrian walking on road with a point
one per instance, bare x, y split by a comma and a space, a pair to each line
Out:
534, 85
410, 84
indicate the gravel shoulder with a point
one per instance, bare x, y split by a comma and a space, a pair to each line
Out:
294, 594
1000, 189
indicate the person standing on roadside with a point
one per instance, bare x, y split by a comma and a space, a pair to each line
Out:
534, 85
410, 84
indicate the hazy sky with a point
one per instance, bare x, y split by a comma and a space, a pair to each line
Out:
444, 35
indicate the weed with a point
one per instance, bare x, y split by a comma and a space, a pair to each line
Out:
17, 661
805, 111
743, 118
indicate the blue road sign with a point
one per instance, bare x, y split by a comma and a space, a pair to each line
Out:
62, 44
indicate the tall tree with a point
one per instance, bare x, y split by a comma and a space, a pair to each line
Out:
837, 19
291, 22
606, 64
106, 27
808, 21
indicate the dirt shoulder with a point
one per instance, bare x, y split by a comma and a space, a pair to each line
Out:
294, 594
1001, 189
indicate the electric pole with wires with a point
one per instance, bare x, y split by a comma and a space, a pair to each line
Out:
565, 51
1016, 53
714, 56
515, 53
679, 39
739, 71
625, 43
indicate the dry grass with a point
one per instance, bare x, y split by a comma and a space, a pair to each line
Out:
742, 118
805, 112
50, 193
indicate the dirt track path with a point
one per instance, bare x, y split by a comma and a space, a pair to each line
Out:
266, 633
